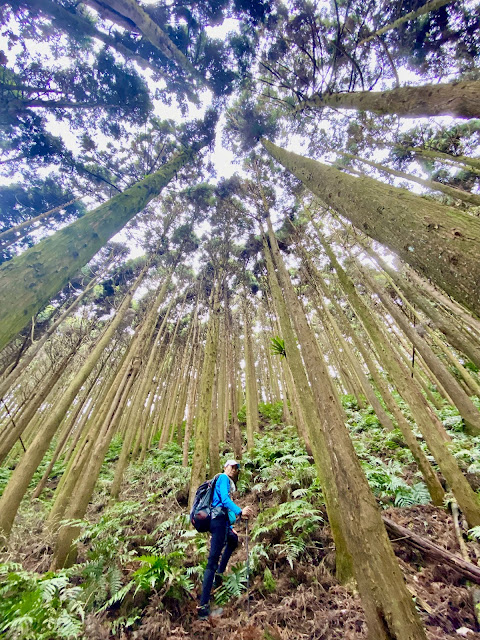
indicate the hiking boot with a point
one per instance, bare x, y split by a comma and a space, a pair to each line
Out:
204, 613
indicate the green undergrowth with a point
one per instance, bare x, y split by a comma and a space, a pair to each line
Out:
144, 546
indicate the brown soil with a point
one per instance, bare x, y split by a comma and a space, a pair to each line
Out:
308, 603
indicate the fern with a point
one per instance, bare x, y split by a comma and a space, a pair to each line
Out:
292, 548
42, 607
277, 347
233, 585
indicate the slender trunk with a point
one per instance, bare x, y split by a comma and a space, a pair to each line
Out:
233, 357
14, 234
29, 412
21, 477
199, 461
430, 477
251, 391
380, 412
465, 406
131, 10
430, 5
428, 423
30, 280
14, 373
453, 192
472, 164
312, 420
61, 443
64, 553
459, 99
213, 433
191, 403
440, 320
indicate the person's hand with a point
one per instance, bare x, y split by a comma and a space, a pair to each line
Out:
247, 512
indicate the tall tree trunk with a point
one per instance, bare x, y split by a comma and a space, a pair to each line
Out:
30, 280
233, 357
440, 320
465, 406
312, 420
430, 477
472, 164
191, 403
199, 462
131, 10
83, 447
389, 609
67, 432
251, 391
440, 242
14, 234
64, 553
459, 99
380, 412
23, 363
214, 431
39, 397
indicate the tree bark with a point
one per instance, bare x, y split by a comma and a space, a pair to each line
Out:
14, 373
7, 237
452, 192
131, 10
472, 164
27, 415
311, 414
465, 406
440, 320
199, 462
64, 553
251, 391
438, 241
459, 99
389, 609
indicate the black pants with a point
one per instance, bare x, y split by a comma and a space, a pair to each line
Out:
223, 538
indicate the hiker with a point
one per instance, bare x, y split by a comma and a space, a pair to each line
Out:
224, 537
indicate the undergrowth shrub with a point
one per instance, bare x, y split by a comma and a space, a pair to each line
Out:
271, 412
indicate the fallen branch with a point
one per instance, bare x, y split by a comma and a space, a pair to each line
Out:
405, 536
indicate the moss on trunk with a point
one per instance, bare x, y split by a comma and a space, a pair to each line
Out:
29, 281
439, 242
460, 99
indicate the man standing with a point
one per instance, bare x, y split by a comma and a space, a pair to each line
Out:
224, 514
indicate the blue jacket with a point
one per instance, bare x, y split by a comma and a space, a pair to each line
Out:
221, 498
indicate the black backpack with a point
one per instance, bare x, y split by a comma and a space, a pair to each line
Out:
201, 511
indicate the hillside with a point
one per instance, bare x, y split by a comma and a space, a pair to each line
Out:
140, 563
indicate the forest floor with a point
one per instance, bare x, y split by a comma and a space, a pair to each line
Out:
309, 603
140, 564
